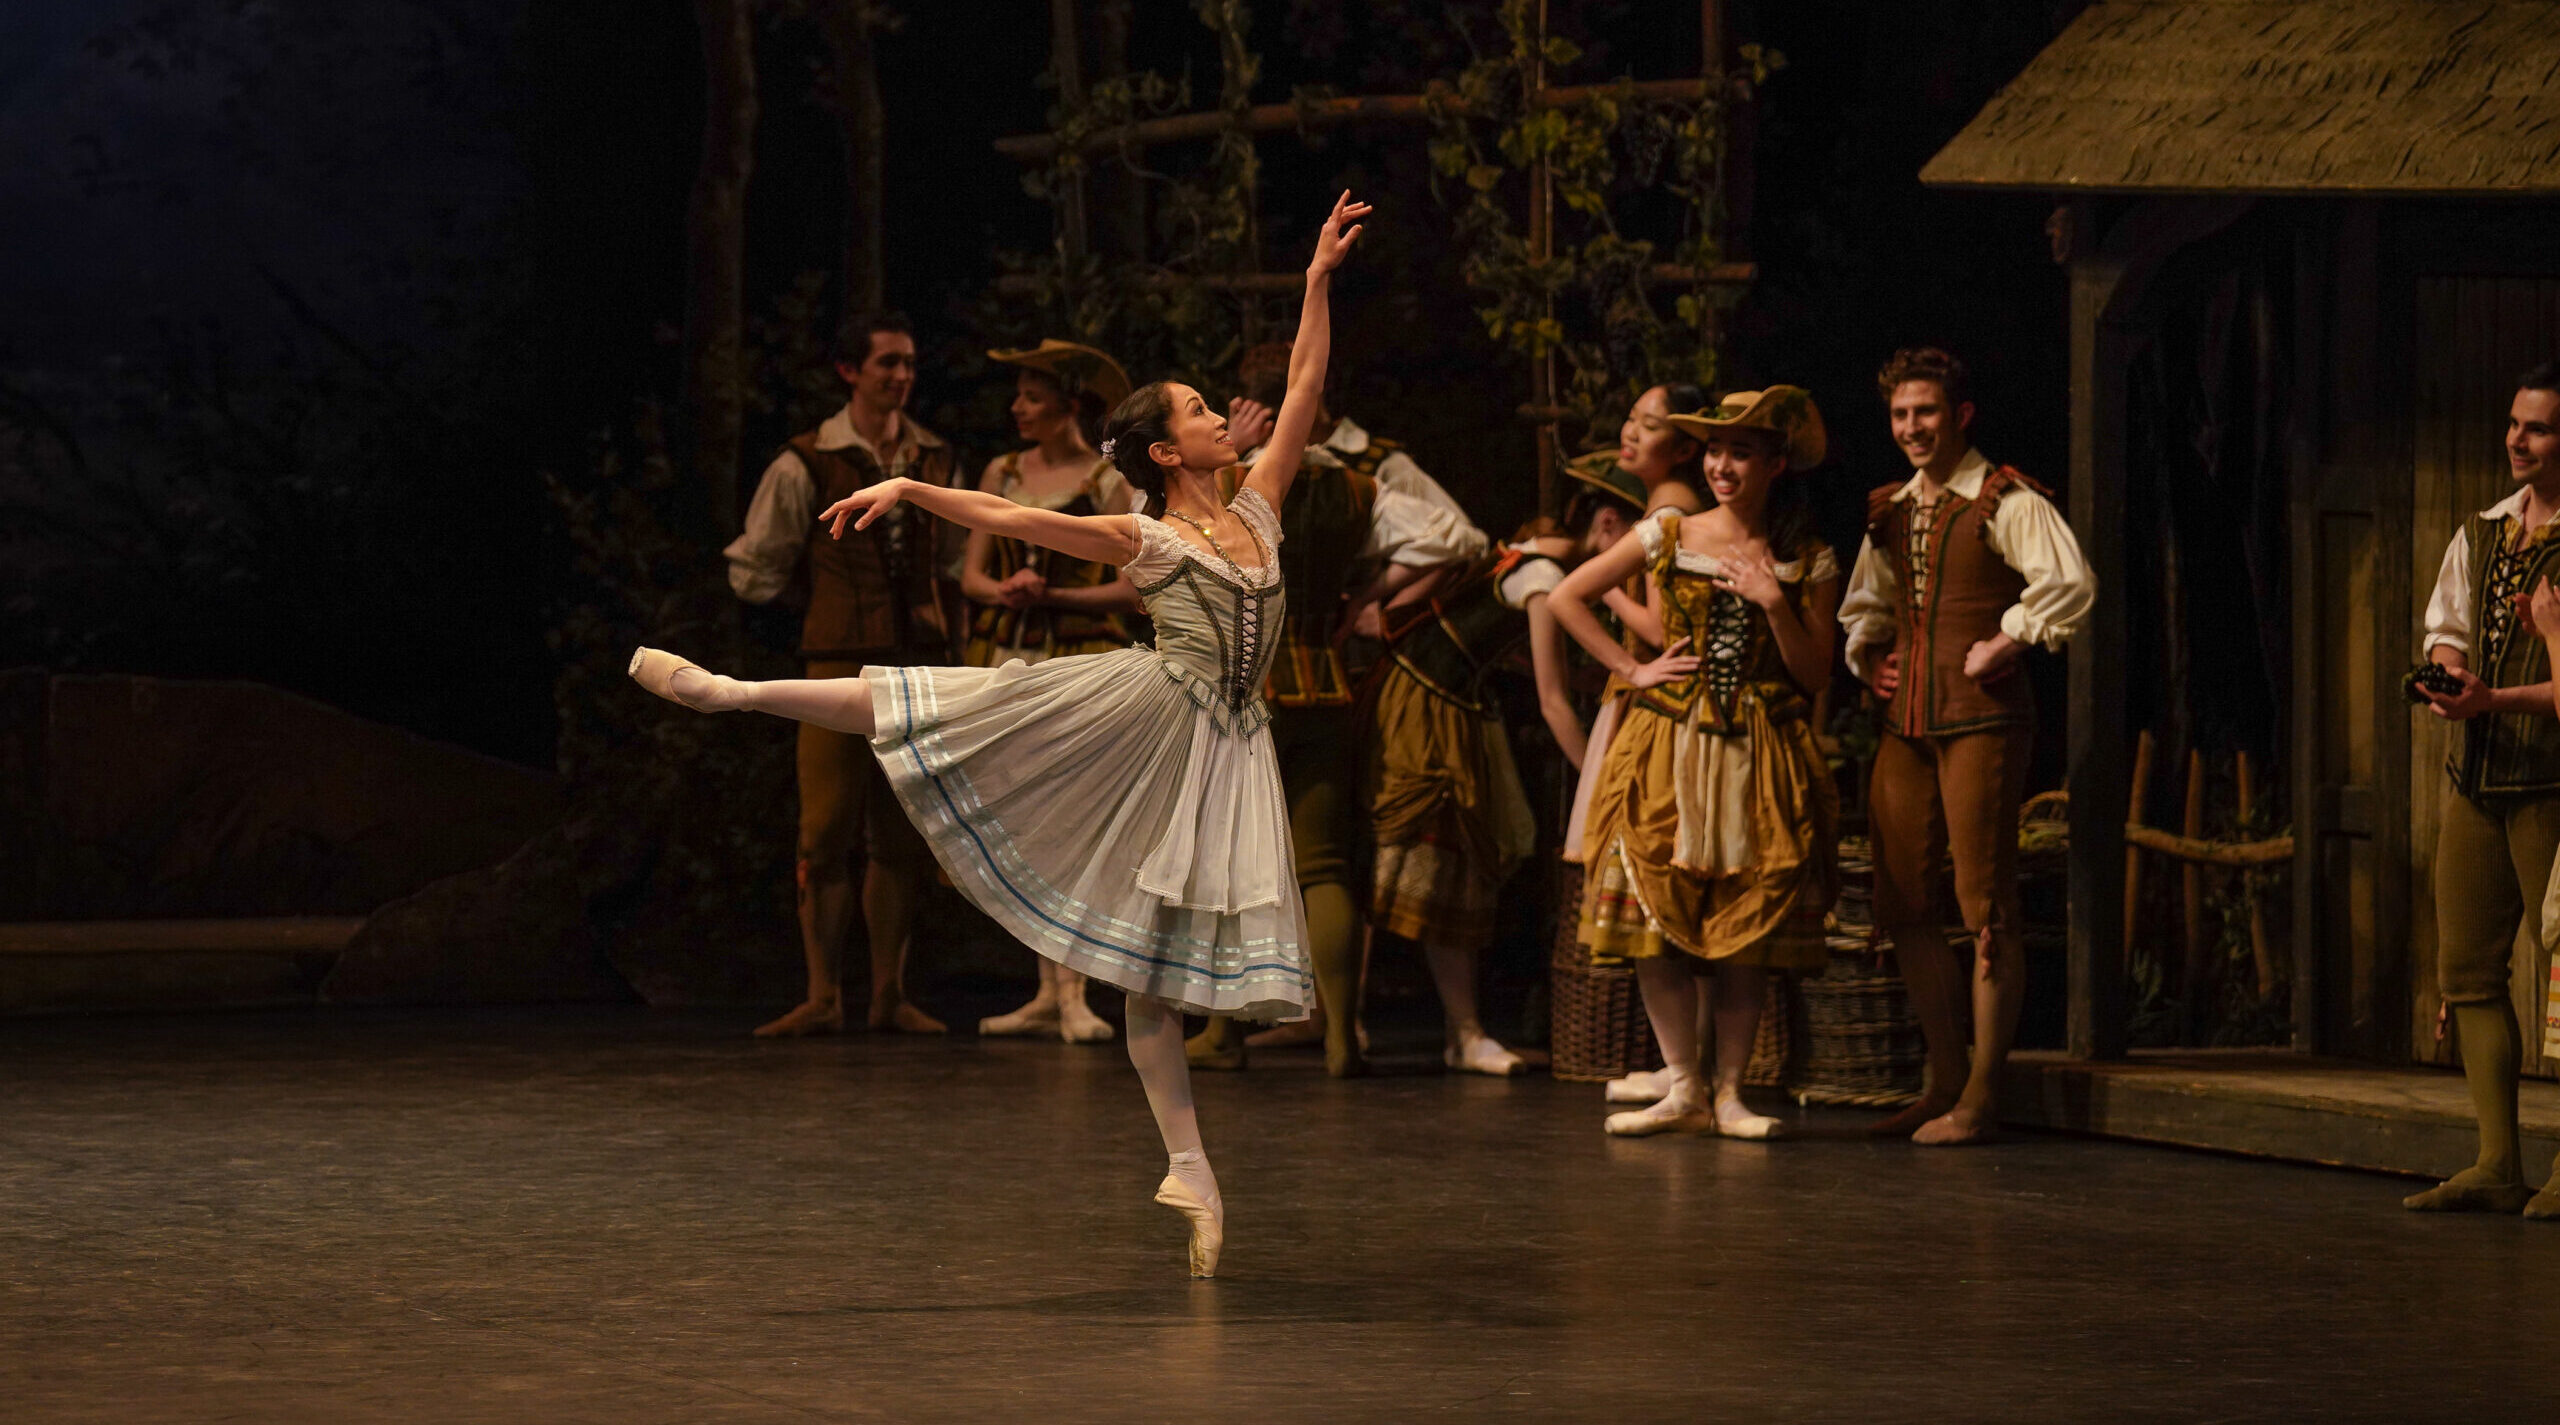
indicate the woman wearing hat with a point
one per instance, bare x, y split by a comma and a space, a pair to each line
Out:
1032, 604
1711, 834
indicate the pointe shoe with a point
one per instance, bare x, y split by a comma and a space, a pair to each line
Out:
1683, 1109
1033, 1018
1482, 1056
655, 669
1737, 1121
1208, 1222
2471, 1190
1078, 1024
1642, 1086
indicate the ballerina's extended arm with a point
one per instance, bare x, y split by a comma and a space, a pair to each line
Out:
1277, 470
1109, 538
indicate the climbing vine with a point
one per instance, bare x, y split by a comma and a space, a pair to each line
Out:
1619, 161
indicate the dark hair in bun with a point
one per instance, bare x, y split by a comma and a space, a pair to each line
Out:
1142, 419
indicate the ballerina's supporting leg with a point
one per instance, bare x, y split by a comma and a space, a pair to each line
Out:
1671, 1004
1740, 992
1155, 1050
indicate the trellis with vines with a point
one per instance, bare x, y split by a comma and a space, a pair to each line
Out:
1546, 187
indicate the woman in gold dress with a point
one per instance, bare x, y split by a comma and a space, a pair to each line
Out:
1031, 604
1711, 836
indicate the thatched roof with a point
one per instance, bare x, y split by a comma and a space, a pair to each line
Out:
2399, 97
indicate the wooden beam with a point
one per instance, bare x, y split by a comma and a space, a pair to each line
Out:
2196, 851
2097, 1023
1323, 114
1723, 274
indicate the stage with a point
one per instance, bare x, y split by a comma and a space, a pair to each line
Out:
627, 1217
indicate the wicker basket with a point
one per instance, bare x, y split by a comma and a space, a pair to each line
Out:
1866, 1045
1599, 1029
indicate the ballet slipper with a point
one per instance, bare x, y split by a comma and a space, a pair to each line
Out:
655, 669
1734, 1119
1481, 1055
815, 1017
1038, 1017
1078, 1024
1208, 1222
1680, 1110
2473, 1190
2545, 1204
1642, 1086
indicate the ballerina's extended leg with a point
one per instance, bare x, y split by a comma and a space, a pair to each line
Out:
843, 704
1155, 1049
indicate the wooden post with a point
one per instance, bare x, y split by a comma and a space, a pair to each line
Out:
2259, 953
2096, 760
2137, 797
854, 87
2198, 967
1066, 65
715, 230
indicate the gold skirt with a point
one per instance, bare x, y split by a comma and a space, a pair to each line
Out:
1447, 812
1721, 847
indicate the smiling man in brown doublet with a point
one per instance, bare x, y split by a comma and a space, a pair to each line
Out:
1965, 567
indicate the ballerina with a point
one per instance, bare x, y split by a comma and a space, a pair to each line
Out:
1119, 812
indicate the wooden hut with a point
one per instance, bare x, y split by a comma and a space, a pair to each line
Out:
2395, 165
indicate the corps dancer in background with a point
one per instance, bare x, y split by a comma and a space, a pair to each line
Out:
1713, 839
876, 600
1120, 812
1448, 815
1030, 603
1965, 567
1363, 525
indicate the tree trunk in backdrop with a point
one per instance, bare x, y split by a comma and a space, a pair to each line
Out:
715, 252
1118, 202
853, 92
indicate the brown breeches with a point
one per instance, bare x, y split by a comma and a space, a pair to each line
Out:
845, 802
1938, 795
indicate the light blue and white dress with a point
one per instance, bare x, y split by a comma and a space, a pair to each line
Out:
1121, 812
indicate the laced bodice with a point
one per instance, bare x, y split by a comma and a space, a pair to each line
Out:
1730, 635
1216, 619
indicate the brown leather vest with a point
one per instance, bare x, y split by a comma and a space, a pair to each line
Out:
1967, 588
876, 593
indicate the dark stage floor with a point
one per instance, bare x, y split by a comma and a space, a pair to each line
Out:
633, 1218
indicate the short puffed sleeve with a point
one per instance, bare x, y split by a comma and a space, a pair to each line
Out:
1160, 552
1256, 512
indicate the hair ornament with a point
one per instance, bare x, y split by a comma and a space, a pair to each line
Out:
1106, 448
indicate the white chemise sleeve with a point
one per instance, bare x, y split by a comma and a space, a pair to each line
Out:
1532, 578
2449, 607
2029, 533
764, 557
1868, 625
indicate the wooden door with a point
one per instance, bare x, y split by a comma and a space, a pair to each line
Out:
2474, 334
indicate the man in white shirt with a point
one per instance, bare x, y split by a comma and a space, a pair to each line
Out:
1965, 567
874, 597
2500, 824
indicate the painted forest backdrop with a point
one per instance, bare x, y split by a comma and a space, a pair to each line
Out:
419, 357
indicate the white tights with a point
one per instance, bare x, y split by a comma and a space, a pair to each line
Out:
843, 704
1155, 1050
